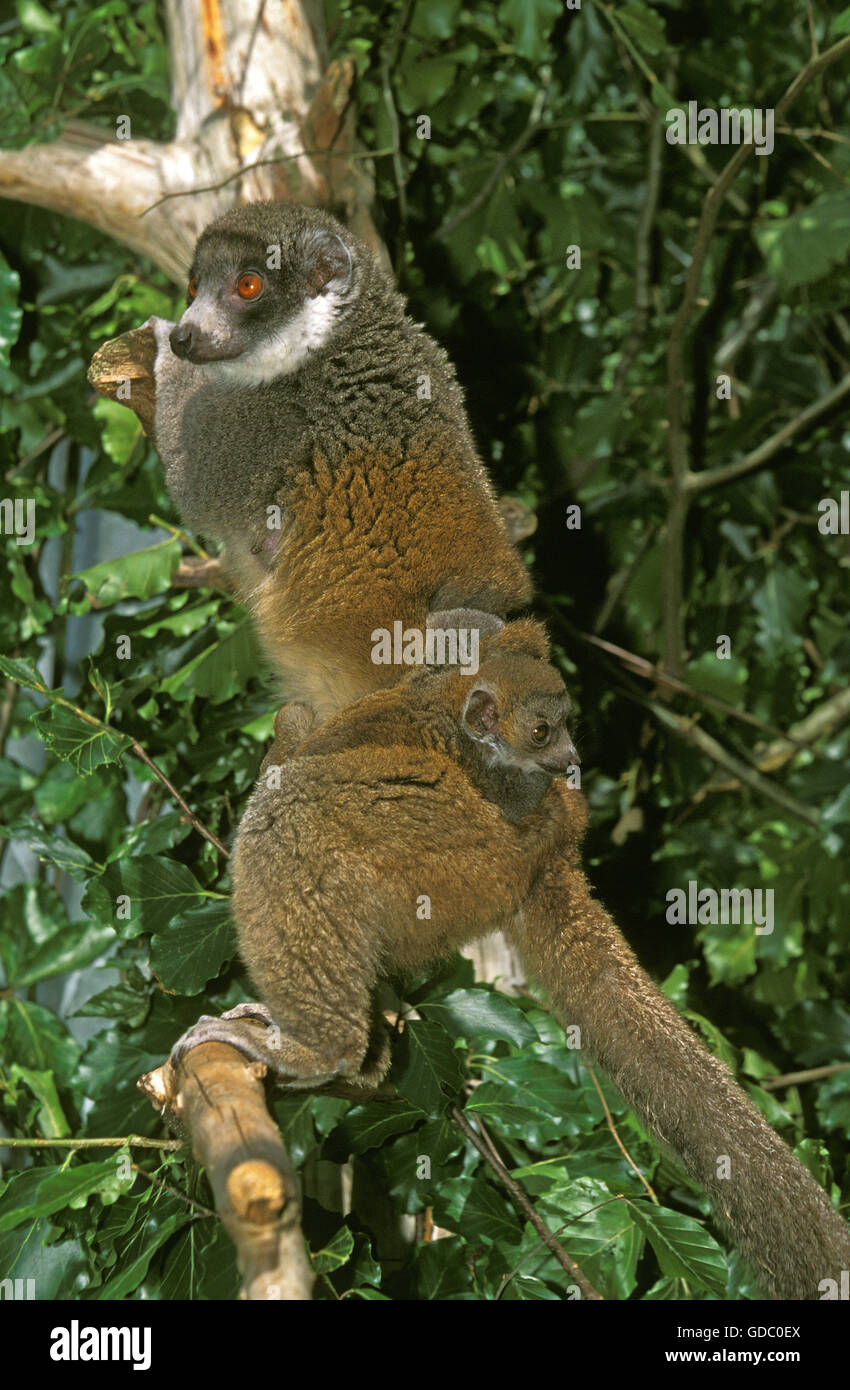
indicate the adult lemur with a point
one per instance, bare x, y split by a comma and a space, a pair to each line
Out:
304, 420
307, 422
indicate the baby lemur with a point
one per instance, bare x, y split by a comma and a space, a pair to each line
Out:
326, 896
308, 423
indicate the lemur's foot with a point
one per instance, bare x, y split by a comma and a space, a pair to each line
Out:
251, 1029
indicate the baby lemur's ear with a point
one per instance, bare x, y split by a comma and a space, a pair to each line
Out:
454, 618
481, 714
523, 637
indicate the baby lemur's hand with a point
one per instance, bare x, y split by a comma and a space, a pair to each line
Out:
293, 723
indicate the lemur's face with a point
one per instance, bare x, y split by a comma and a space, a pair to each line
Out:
523, 724
262, 297
538, 733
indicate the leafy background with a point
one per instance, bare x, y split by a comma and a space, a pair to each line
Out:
541, 137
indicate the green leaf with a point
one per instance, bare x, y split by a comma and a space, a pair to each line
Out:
530, 23
82, 744
193, 947
141, 574
367, 1126
156, 1226
480, 1013
222, 670
11, 313
73, 946
644, 26
683, 1248
535, 1084
121, 429
425, 84
801, 249
61, 794
525, 1289
477, 1211
51, 1118
428, 1067
725, 678
781, 604
58, 1270
122, 1002
143, 895
23, 674
41, 1191
335, 1253
434, 19
52, 847
35, 1038
442, 1270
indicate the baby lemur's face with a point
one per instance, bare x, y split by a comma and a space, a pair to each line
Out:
268, 286
520, 711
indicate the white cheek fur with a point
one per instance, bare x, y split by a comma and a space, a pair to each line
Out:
285, 350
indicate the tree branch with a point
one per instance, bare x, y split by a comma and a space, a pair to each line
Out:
714, 477
698, 738
216, 1095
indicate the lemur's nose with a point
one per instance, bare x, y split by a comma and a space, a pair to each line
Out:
181, 339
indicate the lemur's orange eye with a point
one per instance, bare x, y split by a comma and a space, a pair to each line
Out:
540, 732
249, 285
193, 289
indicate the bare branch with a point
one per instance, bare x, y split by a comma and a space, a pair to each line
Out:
698, 738
216, 1095
649, 670
798, 1078
757, 458
819, 724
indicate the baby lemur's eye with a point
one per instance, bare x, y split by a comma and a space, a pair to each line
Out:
540, 732
249, 285
192, 289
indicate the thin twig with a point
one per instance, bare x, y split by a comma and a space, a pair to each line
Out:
260, 164
163, 1186
136, 748
128, 1141
651, 671
194, 820
388, 61
796, 1078
521, 1200
757, 458
643, 251
7, 710
621, 580
745, 772
609, 1120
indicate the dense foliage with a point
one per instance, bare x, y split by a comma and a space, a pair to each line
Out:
546, 132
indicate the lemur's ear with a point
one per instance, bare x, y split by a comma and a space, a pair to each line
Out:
522, 637
481, 715
451, 619
328, 262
